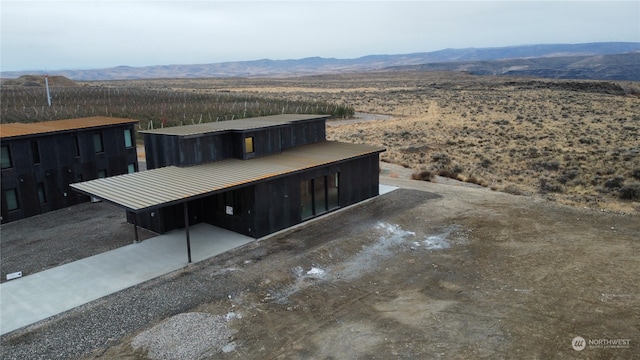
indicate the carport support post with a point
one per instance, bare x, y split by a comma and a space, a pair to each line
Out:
135, 226
186, 227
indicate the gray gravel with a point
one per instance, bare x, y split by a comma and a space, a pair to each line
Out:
90, 329
55, 238
194, 335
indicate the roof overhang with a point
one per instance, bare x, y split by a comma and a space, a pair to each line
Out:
14, 130
170, 185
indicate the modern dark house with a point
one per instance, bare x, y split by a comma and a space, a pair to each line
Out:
253, 176
40, 160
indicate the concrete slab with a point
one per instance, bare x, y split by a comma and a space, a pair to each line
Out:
36, 297
27, 300
383, 189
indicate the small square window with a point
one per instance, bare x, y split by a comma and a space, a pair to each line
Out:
248, 144
131, 168
102, 174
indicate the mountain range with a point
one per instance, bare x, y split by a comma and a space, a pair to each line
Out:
602, 61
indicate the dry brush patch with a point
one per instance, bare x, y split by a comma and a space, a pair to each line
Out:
575, 142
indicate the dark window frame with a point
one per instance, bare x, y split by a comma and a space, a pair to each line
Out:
76, 144
35, 151
98, 146
6, 150
15, 197
128, 138
42, 194
249, 145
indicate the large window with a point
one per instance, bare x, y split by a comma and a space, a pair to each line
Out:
306, 198
248, 144
128, 138
97, 143
6, 157
319, 195
332, 191
12, 199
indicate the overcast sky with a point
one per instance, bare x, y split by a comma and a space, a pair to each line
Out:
56, 35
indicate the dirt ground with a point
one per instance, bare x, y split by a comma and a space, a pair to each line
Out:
427, 271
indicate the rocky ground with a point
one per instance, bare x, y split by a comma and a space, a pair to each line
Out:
427, 271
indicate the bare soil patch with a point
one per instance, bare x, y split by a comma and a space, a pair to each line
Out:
426, 271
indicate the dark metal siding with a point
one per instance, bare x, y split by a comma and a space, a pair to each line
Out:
303, 132
271, 205
59, 166
204, 149
161, 150
359, 179
278, 201
195, 149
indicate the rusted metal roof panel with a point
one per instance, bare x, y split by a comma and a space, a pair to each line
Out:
22, 129
157, 187
230, 125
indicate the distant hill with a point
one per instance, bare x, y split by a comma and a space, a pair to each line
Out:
38, 81
597, 67
610, 60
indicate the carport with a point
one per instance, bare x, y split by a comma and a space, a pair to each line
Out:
144, 192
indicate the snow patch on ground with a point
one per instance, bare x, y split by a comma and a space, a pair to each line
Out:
391, 237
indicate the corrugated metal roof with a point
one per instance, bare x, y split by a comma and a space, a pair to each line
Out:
228, 125
153, 188
21, 129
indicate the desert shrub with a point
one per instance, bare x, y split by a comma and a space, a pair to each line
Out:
630, 192
424, 175
569, 174
448, 173
513, 190
588, 141
474, 180
636, 174
441, 158
614, 183
485, 163
533, 153
550, 165
547, 186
